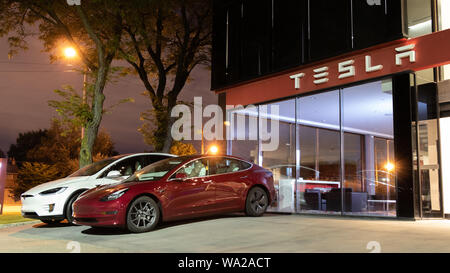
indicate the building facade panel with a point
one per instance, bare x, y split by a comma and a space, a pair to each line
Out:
254, 38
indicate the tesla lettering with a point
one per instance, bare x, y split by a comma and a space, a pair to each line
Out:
369, 67
321, 75
405, 52
347, 69
297, 78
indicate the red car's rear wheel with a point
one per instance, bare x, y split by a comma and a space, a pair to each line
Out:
257, 202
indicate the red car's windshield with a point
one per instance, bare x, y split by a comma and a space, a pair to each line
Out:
156, 170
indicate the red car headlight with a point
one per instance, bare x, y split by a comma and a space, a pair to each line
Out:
113, 196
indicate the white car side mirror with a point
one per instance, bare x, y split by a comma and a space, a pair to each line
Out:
113, 174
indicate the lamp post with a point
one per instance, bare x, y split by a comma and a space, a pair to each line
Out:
3, 164
71, 53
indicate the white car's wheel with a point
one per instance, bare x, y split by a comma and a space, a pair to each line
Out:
68, 211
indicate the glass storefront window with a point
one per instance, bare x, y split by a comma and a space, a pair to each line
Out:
419, 17
242, 133
277, 142
304, 140
318, 153
369, 170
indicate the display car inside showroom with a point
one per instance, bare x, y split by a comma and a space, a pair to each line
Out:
362, 90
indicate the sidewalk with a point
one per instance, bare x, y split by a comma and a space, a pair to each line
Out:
239, 234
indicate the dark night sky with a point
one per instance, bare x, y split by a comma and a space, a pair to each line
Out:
24, 97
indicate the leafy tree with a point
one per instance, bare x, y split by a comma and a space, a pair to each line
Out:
60, 147
2, 154
33, 174
179, 148
74, 110
93, 28
56, 156
24, 143
164, 41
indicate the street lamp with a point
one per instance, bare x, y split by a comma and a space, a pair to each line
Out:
71, 53
213, 150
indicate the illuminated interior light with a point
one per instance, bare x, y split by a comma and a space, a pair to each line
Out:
389, 167
420, 25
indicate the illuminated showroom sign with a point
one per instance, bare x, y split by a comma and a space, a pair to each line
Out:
347, 69
404, 55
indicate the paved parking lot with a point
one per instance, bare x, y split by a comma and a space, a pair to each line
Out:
237, 233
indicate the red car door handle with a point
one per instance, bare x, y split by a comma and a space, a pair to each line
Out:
207, 182
243, 177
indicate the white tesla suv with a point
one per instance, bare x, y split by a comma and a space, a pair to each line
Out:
51, 202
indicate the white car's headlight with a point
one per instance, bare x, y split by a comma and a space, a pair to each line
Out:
53, 191
113, 196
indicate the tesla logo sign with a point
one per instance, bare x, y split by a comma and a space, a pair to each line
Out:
347, 69
374, 2
402, 55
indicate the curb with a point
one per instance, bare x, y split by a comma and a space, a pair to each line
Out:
2, 226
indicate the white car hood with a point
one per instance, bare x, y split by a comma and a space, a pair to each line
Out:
64, 182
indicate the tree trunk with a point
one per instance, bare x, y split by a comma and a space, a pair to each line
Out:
172, 101
91, 131
168, 140
87, 144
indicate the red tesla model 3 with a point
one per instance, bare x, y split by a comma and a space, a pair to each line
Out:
178, 188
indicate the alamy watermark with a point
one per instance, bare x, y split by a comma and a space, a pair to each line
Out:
374, 247
374, 2
74, 2
241, 123
74, 247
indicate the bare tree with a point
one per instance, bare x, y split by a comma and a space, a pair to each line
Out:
164, 41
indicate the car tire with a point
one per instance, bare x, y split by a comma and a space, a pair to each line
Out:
68, 211
143, 215
51, 222
257, 202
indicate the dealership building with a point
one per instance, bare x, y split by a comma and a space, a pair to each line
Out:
360, 92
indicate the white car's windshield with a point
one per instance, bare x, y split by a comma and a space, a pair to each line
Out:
94, 167
156, 170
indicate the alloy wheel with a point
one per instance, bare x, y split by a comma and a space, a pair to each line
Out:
257, 202
143, 214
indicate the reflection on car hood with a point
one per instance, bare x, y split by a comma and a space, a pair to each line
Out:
101, 191
63, 182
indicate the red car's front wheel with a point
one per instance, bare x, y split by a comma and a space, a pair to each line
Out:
143, 215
